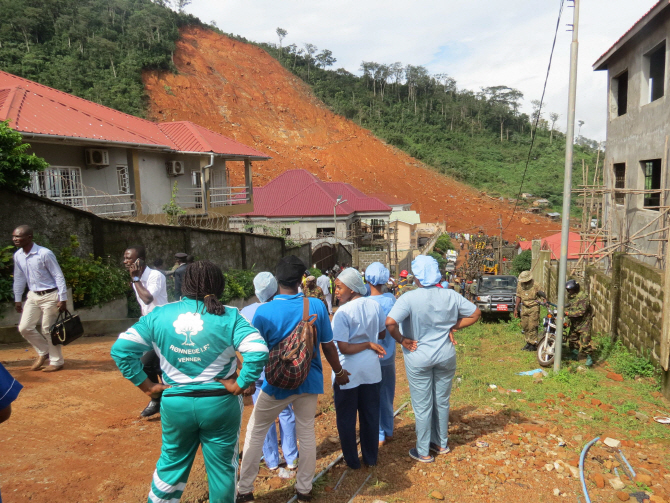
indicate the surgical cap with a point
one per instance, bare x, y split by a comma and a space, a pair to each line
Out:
352, 278
426, 270
265, 285
377, 274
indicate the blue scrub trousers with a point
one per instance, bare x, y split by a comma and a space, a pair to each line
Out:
289, 445
386, 395
430, 389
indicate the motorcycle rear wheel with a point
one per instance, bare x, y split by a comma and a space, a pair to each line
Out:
545, 352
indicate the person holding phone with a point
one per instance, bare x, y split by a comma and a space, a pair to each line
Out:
150, 289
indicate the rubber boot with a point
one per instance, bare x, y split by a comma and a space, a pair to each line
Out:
574, 355
589, 361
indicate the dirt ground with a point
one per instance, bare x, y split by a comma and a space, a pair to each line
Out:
239, 90
76, 436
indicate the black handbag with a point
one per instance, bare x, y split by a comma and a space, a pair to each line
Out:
67, 328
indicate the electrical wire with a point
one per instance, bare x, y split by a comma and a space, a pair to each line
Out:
539, 112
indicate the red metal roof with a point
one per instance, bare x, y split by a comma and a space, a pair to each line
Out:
33, 108
297, 193
191, 137
598, 65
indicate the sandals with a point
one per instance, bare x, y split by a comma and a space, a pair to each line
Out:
414, 454
439, 451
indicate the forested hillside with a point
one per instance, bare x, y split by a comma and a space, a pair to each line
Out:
97, 49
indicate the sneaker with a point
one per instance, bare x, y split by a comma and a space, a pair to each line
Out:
439, 450
414, 454
292, 466
304, 497
241, 498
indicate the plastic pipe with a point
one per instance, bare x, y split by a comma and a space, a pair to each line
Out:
581, 467
627, 464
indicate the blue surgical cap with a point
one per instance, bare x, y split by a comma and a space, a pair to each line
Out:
426, 270
377, 274
265, 285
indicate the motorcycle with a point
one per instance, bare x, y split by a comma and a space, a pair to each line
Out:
546, 346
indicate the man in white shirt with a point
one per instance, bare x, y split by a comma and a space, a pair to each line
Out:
37, 268
323, 282
151, 291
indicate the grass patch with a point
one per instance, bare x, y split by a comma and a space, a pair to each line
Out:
625, 362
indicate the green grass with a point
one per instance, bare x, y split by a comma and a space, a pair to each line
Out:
489, 353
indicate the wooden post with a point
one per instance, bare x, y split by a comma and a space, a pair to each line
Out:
665, 331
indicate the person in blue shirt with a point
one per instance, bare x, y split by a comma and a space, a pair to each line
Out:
429, 317
275, 321
358, 325
266, 288
9, 391
377, 276
196, 340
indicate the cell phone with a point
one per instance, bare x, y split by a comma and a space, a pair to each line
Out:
139, 263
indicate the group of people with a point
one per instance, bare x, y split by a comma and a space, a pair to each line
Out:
196, 340
183, 355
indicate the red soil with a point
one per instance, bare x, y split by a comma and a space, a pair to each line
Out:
242, 92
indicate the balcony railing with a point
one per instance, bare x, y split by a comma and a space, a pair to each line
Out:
191, 198
103, 205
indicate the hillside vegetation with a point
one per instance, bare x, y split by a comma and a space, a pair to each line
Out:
97, 49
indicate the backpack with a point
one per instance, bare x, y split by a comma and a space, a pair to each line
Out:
291, 359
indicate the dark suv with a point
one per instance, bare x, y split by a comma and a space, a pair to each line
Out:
496, 295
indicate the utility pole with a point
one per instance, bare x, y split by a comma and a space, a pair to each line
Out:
567, 189
500, 244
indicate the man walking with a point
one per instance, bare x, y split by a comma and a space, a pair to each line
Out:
179, 273
275, 321
151, 291
528, 293
323, 282
37, 268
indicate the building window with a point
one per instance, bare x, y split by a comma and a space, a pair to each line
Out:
654, 71
620, 93
123, 179
286, 231
325, 231
196, 181
620, 181
652, 181
60, 184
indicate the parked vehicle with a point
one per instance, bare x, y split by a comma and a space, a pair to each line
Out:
451, 256
490, 266
547, 345
496, 295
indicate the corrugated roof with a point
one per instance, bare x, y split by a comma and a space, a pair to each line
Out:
633, 30
298, 193
409, 217
38, 109
194, 138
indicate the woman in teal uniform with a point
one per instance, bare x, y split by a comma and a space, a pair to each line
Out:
196, 340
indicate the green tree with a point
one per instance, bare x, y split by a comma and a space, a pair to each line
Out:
16, 165
522, 262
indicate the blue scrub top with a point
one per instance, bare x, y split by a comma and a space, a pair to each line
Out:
426, 315
386, 300
9, 388
276, 320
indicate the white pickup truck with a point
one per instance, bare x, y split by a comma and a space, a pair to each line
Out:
451, 255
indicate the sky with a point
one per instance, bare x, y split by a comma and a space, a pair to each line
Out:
479, 43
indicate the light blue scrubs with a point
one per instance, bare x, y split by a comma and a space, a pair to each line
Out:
387, 391
426, 315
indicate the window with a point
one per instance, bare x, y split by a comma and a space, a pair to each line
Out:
652, 181
286, 231
60, 184
123, 179
325, 231
620, 93
197, 192
620, 181
654, 72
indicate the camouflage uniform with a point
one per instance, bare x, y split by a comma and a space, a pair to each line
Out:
580, 313
315, 291
530, 313
405, 285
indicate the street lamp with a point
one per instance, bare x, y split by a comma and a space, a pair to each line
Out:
337, 203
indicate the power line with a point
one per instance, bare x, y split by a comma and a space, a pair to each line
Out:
537, 118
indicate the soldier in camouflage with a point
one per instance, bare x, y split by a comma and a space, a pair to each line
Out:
580, 313
528, 295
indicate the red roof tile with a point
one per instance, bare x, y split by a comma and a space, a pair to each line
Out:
38, 109
297, 193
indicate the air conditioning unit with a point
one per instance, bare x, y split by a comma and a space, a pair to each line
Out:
96, 157
174, 168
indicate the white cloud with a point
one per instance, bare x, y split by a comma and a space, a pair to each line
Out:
480, 42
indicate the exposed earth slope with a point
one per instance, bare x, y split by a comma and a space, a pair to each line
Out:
239, 90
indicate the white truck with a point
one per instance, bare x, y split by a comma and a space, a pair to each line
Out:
451, 256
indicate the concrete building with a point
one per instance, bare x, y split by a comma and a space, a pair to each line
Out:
116, 165
636, 158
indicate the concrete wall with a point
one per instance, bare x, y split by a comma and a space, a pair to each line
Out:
641, 133
54, 223
367, 258
627, 305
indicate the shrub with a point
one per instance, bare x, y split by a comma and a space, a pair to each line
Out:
522, 262
443, 244
625, 362
6, 270
313, 271
239, 285
441, 261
